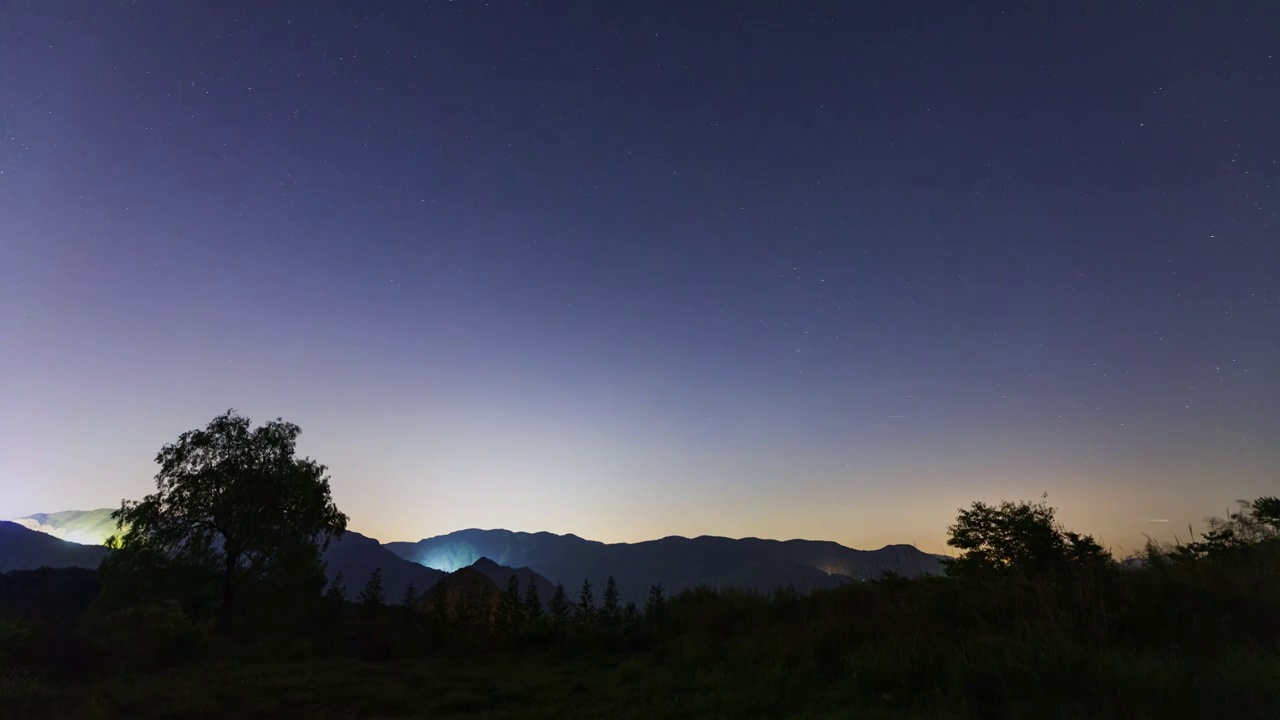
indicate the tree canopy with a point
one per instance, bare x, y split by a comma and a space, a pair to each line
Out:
235, 502
1018, 537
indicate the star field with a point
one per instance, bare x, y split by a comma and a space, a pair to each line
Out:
773, 269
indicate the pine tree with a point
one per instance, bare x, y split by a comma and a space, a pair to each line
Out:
411, 598
559, 606
465, 610
337, 590
474, 608
532, 604
439, 603
509, 607
586, 608
611, 611
630, 616
655, 608
371, 596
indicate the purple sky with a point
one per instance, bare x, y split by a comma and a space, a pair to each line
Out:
636, 269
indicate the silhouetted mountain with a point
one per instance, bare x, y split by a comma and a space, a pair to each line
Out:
24, 549
356, 556
677, 563
468, 593
501, 575
88, 527
469, 581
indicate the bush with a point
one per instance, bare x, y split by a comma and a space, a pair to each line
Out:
151, 635
13, 635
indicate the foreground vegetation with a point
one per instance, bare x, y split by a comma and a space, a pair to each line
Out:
1179, 639
1033, 621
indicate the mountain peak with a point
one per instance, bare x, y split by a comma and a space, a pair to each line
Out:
484, 564
675, 562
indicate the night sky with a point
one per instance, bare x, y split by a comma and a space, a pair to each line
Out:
824, 270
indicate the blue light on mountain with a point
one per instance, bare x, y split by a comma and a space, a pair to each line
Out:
450, 557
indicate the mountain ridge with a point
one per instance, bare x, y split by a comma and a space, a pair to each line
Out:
676, 562
87, 527
22, 548
501, 575
356, 556
641, 542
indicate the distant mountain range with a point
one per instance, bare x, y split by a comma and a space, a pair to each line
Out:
24, 549
87, 527
677, 563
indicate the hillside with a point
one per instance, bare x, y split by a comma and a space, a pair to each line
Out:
675, 562
357, 556
88, 527
354, 555
500, 575
25, 549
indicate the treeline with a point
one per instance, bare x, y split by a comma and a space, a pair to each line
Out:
512, 608
222, 565
476, 616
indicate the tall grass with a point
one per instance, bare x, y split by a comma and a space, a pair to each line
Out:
1178, 637
1175, 639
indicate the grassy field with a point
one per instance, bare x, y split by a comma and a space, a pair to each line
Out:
1182, 642
492, 687
555, 686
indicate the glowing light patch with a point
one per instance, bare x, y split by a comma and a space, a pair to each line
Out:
450, 557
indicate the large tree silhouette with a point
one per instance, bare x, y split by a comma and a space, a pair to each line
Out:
235, 501
1018, 537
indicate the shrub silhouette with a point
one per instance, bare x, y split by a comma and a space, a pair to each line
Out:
532, 604
336, 592
411, 599
611, 611
655, 607
559, 606
371, 597
585, 611
150, 635
1254, 522
510, 612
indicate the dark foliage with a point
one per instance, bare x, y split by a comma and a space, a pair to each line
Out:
233, 505
1019, 538
532, 604
610, 611
655, 608
336, 591
371, 597
560, 608
1041, 628
585, 611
